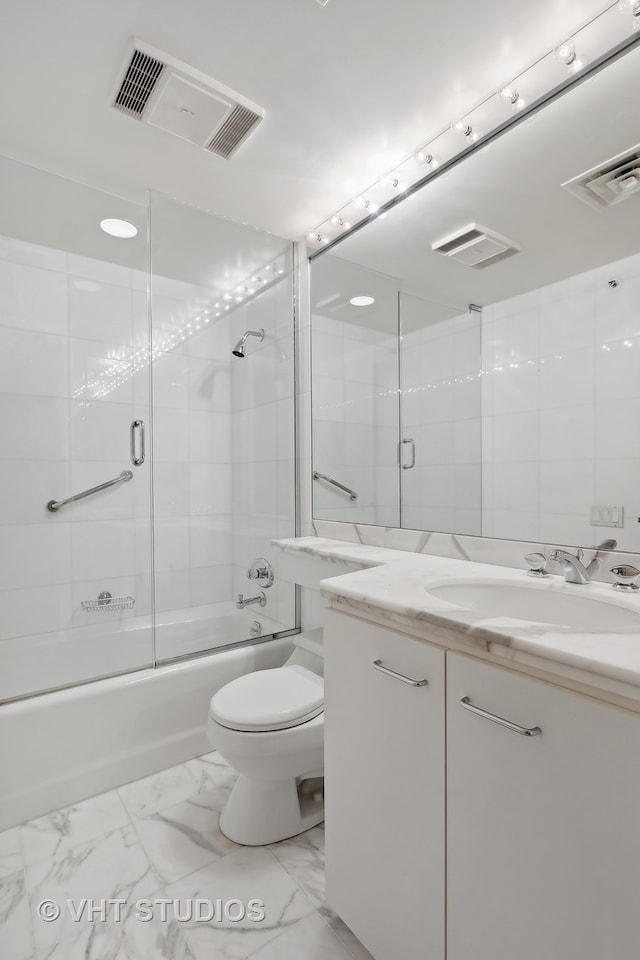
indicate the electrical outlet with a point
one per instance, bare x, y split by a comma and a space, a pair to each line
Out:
605, 516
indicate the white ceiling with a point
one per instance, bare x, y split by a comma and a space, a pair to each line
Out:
514, 187
347, 89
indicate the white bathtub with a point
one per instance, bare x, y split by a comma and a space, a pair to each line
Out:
64, 746
109, 644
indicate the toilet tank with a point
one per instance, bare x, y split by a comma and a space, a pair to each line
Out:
308, 650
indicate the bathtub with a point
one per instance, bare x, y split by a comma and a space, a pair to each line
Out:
64, 746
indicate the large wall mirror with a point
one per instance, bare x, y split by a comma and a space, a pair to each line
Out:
518, 420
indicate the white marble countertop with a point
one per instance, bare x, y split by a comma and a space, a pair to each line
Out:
393, 586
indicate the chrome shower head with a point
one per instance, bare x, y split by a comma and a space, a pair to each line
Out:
238, 350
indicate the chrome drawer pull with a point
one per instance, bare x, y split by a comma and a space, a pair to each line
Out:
399, 676
525, 731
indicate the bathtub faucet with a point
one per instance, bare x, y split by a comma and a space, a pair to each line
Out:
241, 602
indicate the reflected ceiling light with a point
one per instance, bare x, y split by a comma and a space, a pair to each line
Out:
362, 301
123, 229
424, 157
467, 131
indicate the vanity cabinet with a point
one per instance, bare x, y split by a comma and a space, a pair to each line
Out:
542, 830
385, 791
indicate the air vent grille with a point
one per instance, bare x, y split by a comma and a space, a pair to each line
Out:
475, 246
138, 84
609, 183
230, 135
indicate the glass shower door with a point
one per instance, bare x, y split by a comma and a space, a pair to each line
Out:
75, 595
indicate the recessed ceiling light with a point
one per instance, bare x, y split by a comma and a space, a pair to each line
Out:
362, 301
119, 228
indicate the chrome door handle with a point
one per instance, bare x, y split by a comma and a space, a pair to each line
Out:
525, 731
407, 466
399, 676
137, 428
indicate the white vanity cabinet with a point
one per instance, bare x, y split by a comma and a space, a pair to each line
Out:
384, 776
543, 831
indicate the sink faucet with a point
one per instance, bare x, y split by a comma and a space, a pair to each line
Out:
572, 568
241, 602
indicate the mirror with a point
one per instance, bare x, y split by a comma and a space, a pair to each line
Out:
524, 415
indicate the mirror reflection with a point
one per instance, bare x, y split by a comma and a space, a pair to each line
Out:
522, 415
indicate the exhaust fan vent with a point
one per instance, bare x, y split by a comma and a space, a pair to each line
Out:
230, 135
609, 183
138, 84
475, 246
165, 93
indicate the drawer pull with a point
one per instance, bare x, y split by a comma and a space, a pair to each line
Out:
525, 731
399, 676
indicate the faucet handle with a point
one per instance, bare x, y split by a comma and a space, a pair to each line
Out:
537, 564
626, 577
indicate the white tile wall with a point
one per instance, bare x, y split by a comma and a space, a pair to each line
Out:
560, 400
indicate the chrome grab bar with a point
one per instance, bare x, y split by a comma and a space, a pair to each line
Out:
525, 731
54, 505
137, 425
378, 665
407, 466
322, 476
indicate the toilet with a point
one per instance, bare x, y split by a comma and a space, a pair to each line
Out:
269, 726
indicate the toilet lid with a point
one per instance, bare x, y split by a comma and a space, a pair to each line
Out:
269, 699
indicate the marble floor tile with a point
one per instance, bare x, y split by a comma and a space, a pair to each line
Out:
127, 938
356, 950
11, 855
310, 938
163, 789
303, 859
251, 873
15, 927
212, 771
183, 838
60, 831
112, 867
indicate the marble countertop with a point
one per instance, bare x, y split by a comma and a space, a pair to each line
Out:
393, 586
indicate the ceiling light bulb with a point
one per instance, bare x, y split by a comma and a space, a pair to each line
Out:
426, 158
463, 127
630, 6
566, 54
318, 238
122, 229
340, 222
362, 301
509, 94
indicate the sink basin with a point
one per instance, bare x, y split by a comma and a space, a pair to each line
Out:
539, 604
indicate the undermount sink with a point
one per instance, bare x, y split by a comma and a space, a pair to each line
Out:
539, 604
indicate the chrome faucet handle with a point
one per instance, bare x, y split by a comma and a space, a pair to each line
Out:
537, 564
626, 577
262, 572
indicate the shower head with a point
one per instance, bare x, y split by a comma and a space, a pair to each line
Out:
238, 350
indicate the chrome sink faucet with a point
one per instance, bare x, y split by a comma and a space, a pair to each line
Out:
572, 567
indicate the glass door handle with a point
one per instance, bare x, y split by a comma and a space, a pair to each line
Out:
407, 466
137, 450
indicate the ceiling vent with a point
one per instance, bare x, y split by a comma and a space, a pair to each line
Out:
610, 182
160, 90
475, 246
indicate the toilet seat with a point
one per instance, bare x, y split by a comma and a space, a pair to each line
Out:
269, 700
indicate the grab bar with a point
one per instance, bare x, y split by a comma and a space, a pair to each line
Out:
322, 476
125, 476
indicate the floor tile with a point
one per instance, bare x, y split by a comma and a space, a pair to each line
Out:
15, 926
310, 938
128, 938
344, 934
303, 859
113, 867
212, 771
11, 856
249, 874
183, 838
60, 831
159, 791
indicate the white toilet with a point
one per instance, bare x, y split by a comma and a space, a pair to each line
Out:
269, 726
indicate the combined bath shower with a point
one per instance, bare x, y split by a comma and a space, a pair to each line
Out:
238, 350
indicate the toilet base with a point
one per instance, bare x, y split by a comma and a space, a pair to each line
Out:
265, 811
